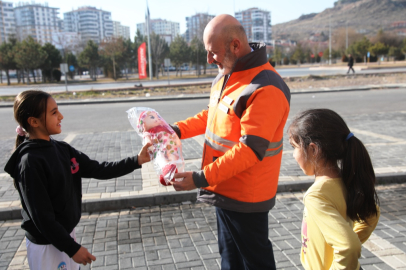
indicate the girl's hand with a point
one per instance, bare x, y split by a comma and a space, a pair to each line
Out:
143, 155
83, 256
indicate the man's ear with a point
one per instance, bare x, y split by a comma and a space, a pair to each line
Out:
235, 46
33, 122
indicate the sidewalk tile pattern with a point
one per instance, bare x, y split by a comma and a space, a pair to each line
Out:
184, 236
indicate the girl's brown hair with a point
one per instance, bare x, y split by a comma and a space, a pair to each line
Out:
326, 129
30, 103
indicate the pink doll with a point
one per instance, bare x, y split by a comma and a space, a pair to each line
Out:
160, 134
166, 151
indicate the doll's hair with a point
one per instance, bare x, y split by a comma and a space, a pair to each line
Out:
326, 129
30, 103
140, 125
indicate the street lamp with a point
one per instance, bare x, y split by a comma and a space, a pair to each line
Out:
329, 41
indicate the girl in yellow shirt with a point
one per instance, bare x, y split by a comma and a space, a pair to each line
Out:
341, 207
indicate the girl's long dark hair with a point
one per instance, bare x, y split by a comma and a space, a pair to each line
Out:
30, 103
326, 129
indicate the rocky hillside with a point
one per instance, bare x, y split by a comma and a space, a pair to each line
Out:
364, 16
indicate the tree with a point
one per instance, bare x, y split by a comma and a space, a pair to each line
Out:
298, 54
334, 54
71, 60
198, 56
113, 48
403, 48
179, 53
29, 55
277, 55
89, 58
339, 38
159, 49
128, 56
386, 38
394, 52
360, 48
53, 60
7, 58
379, 49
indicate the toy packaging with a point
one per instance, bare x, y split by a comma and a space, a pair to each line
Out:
166, 149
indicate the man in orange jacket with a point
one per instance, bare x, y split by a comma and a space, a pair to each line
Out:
243, 127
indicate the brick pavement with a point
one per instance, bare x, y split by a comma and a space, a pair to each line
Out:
184, 236
383, 133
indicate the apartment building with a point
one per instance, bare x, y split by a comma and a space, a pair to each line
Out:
7, 21
166, 29
195, 25
257, 24
91, 23
67, 42
36, 20
121, 30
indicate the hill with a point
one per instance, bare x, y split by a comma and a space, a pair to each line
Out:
364, 16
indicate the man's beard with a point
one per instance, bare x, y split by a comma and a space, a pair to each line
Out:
228, 63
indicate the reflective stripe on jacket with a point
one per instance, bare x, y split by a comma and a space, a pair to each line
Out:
243, 129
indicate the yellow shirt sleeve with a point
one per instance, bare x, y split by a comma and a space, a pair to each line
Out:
336, 230
365, 229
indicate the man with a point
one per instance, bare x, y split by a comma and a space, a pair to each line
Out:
242, 153
350, 64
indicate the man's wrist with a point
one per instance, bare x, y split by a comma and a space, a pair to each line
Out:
199, 179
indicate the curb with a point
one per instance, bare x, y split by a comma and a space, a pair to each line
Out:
203, 96
113, 204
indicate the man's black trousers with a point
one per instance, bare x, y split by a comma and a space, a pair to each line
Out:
243, 240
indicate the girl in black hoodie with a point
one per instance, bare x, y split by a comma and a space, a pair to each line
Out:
48, 176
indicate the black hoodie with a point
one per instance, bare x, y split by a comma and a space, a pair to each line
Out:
48, 175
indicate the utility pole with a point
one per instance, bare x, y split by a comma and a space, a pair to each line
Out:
329, 49
346, 35
149, 45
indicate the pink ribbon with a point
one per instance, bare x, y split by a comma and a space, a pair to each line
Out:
20, 131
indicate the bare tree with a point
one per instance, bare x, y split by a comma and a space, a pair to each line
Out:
159, 49
113, 48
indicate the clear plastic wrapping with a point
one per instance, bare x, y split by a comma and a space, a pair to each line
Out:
166, 149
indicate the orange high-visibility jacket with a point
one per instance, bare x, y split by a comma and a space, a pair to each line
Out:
243, 129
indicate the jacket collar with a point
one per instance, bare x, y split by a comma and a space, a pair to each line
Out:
253, 59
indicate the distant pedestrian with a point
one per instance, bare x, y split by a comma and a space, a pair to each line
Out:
350, 64
341, 206
48, 176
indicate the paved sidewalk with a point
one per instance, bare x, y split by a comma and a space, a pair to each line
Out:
142, 187
188, 228
184, 236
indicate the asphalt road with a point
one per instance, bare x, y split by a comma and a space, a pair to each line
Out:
290, 72
81, 119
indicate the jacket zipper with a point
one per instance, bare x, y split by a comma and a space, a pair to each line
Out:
211, 121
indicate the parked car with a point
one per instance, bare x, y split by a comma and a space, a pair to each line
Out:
171, 68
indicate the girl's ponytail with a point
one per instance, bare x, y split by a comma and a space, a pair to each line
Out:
326, 129
359, 178
19, 140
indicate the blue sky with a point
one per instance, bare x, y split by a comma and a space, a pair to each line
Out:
131, 12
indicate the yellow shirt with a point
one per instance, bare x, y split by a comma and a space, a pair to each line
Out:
331, 240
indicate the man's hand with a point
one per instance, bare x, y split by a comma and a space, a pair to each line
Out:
143, 155
83, 256
185, 184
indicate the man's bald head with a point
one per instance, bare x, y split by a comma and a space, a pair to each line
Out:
225, 42
226, 28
